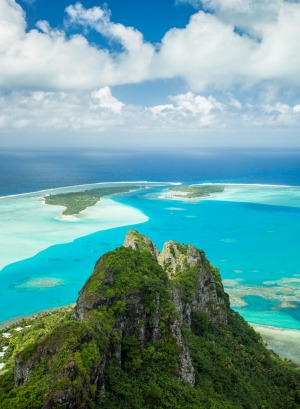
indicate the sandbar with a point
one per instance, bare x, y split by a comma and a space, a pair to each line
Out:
28, 227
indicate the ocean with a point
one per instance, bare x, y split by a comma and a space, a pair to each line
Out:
250, 232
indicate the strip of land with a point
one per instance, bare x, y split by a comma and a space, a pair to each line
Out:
192, 192
76, 202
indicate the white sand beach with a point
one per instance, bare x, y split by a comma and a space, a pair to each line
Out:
285, 342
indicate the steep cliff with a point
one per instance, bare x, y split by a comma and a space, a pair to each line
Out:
150, 330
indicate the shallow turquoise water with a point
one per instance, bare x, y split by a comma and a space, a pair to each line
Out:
253, 242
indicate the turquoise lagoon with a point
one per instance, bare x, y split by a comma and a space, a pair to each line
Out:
250, 232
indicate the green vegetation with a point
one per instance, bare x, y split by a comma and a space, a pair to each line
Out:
119, 349
33, 329
192, 192
75, 202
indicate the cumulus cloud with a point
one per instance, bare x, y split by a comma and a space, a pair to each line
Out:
44, 111
46, 58
209, 53
206, 52
188, 110
239, 60
98, 19
99, 111
251, 15
103, 98
194, 111
135, 60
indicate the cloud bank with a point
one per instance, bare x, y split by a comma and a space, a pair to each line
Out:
209, 51
99, 111
51, 80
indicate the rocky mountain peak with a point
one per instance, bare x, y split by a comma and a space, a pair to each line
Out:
138, 241
176, 258
144, 318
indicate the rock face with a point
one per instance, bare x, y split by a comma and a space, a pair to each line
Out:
137, 241
176, 258
136, 297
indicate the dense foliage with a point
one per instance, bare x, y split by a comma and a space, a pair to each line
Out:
75, 202
192, 192
233, 368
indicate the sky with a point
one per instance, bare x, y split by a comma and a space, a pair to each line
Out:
150, 73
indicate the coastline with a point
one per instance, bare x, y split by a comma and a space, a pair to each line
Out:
8, 323
54, 189
37, 192
284, 341
262, 194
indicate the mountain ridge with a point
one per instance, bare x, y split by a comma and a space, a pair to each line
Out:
150, 330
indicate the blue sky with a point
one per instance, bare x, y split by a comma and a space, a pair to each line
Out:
152, 17
150, 73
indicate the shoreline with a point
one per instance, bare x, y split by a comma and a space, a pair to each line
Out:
91, 184
8, 323
49, 227
285, 342
149, 183
262, 194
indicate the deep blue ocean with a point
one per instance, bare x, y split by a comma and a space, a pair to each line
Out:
251, 242
24, 171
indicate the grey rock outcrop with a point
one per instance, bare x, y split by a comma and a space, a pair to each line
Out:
138, 241
176, 258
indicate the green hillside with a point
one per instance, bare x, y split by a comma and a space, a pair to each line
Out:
149, 330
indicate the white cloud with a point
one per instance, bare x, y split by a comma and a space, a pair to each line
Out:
46, 58
191, 111
187, 111
250, 15
77, 113
59, 85
44, 111
206, 52
104, 99
99, 20
196, 104
244, 13
296, 108
265, 50
134, 62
